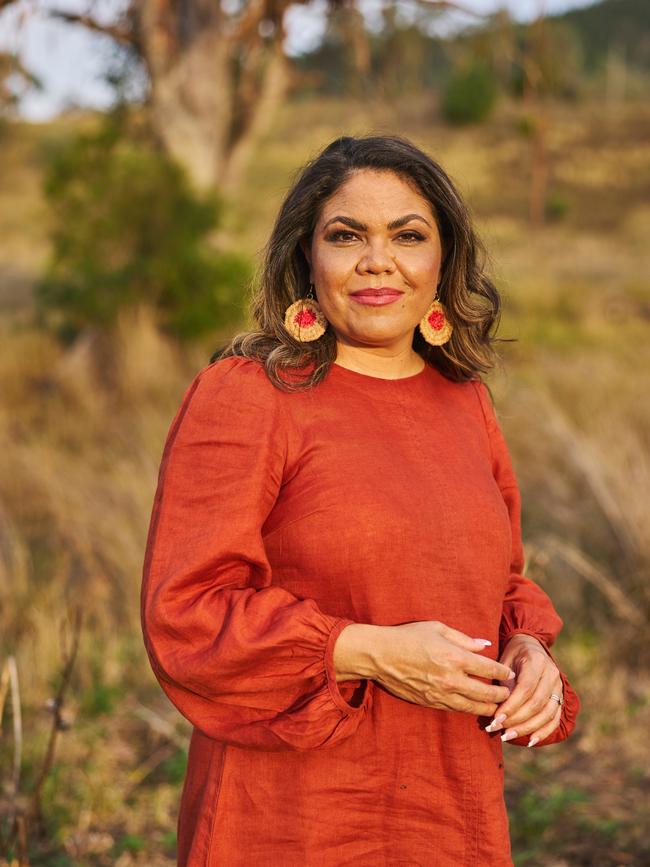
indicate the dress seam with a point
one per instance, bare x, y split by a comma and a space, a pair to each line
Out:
216, 798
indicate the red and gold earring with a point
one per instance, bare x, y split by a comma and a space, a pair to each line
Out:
304, 319
434, 325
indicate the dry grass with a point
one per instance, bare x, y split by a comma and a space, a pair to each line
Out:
81, 433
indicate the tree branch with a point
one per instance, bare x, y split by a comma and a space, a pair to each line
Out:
445, 6
120, 32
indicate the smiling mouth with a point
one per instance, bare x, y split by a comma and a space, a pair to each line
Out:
376, 297
381, 291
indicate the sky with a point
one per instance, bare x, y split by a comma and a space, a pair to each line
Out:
70, 61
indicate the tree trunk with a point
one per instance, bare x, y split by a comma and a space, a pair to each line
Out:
274, 86
191, 106
215, 81
215, 78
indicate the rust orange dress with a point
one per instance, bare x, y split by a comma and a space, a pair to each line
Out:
280, 518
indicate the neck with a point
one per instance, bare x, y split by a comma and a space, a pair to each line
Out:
378, 361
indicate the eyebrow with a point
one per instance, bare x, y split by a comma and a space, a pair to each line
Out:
361, 227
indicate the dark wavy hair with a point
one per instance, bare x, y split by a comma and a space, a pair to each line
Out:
471, 300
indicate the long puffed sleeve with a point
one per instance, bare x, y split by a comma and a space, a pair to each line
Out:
247, 662
526, 607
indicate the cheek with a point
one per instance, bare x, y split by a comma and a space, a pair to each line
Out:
332, 275
423, 265
333, 268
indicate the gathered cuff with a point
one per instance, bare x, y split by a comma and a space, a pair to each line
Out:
350, 696
570, 707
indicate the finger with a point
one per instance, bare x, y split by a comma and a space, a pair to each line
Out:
460, 639
479, 691
481, 666
459, 702
530, 725
542, 733
530, 672
537, 703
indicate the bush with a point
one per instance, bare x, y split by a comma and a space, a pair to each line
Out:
470, 94
556, 207
128, 229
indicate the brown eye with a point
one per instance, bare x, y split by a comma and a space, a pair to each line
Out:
416, 236
336, 236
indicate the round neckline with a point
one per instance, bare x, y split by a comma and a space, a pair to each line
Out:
354, 374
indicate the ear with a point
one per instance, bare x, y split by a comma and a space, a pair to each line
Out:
305, 246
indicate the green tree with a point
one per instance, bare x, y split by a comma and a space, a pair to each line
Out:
127, 229
470, 94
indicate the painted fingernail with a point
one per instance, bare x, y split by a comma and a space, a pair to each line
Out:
509, 735
511, 676
533, 741
496, 723
483, 641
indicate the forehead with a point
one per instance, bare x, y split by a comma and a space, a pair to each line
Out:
376, 194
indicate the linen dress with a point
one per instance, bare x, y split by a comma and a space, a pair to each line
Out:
280, 518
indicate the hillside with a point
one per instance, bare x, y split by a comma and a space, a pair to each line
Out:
82, 429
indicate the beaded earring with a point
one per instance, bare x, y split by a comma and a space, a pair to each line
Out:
434, 325
304, 319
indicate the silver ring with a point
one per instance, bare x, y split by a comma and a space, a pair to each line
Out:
557, 698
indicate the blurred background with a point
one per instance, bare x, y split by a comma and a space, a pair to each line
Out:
145, 147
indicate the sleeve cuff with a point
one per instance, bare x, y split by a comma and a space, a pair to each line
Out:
570, 706
350, 696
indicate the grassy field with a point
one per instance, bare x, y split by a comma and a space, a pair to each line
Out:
81, 431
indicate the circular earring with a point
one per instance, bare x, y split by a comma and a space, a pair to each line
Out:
434, 325
304, 319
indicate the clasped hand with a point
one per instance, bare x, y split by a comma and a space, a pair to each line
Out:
529, 710
429, 663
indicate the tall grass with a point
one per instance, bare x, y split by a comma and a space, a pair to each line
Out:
81, 435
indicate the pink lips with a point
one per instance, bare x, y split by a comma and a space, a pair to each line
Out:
376, 297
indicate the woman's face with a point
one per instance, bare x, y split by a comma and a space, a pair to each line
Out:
375, 231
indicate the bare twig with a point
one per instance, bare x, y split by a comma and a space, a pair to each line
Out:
9, 682
4, 688
120, 32
586, 460
587, 569
160, 725
23, 843
453, 7
137, 775
58, 724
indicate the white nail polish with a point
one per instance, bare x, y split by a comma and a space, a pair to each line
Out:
483, 641
496, 723
509, 736
533, 741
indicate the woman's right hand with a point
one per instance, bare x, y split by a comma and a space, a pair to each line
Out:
424, 662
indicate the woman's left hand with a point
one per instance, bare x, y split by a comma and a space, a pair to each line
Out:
529, 710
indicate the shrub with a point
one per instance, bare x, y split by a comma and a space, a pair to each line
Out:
556, 207
470, 94
127, 228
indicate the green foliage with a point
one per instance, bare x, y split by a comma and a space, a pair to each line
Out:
175, 766
131, 843
470, 94
169, 840
99, 697
600, 27
556, 207
535, 813
127, 229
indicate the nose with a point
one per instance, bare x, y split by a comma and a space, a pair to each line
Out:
376, 259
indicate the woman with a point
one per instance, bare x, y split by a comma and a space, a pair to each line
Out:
333, 590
